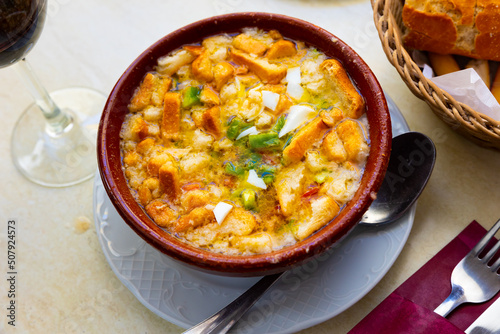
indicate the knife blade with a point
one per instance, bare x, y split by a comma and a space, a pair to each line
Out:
488, 322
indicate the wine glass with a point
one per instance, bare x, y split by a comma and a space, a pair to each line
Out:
53, 142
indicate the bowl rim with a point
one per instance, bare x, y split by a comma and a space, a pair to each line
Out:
108, 150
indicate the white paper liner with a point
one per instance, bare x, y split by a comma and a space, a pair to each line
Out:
465, 86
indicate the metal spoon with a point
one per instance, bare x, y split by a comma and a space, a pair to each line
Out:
410, 166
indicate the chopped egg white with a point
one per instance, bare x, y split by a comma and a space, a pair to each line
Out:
270, 99
221, 210
297, 115
255, 180
250, 131
293, 87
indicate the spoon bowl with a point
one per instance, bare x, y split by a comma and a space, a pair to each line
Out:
410, 167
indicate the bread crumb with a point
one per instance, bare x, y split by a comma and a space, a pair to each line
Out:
82, 224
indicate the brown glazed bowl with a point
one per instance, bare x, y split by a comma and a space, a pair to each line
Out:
110, 162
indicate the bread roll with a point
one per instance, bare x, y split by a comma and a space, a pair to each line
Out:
495, 86
443, 64
462, 27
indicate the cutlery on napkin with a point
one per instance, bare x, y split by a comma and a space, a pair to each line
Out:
409, 308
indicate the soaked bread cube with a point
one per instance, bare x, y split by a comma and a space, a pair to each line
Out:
137, 129
333, 148
284, 103
152, 114
170, 124
196, 198
202, 68
169, 180
202, 140
197, 217
209, 97
151, 91
249, 44
172, 63
257, 243
223, 71
268, 73
238, 222
323, 210
289, 185
142, 96
131, 158
145, 146
351, 103
149, 190
280, 49
211, 121
161, 213
194, 162
351, 134
332, 117
304, 139
156, 162
195, 50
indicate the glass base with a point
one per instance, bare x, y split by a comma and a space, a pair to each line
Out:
64, 159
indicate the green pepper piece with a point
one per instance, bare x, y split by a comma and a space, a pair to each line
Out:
249, 199
233, 169
263, 140
280, 123
191, 97
233, 130
235, 127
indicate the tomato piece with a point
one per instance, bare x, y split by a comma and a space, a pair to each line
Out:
312, 191
191, 186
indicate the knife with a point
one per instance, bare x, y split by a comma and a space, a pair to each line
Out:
488, 322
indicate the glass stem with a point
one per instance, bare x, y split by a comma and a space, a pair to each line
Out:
57, 121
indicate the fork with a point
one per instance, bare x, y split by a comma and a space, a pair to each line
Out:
473, 280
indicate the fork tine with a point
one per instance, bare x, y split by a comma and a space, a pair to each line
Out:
495, 266
484, 241
491, 253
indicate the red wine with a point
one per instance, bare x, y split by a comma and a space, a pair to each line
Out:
21, 23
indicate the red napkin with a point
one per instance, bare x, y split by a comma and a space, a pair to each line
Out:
409, 308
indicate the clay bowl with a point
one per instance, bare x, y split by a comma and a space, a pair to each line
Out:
108, 147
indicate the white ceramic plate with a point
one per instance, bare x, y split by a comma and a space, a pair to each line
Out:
304, 297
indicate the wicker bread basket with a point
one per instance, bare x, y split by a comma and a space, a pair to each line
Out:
473, 125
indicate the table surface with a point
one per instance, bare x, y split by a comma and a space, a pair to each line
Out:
65, 284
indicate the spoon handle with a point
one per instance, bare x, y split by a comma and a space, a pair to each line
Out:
222, 321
